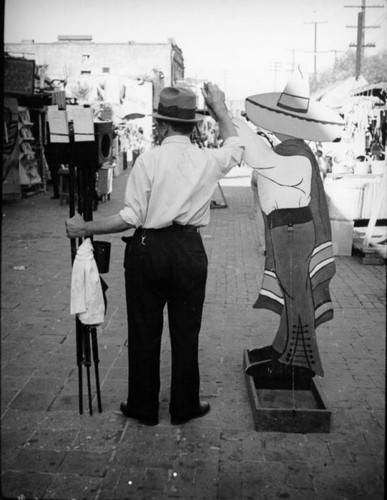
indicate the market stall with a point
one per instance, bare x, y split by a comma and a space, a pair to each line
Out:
355, 168
22, 166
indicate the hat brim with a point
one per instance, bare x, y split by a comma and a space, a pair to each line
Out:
319, 123
198, 118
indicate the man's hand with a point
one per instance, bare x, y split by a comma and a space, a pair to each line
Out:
216, 103
76, 227
215, 100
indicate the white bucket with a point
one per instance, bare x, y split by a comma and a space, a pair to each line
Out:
378, 166
361, 168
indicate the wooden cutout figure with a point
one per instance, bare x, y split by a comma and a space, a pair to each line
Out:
299, 256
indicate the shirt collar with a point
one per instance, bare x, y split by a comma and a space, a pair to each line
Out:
177, 139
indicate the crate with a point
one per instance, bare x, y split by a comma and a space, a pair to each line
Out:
277, 407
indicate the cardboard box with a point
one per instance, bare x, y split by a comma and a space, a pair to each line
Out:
342, 236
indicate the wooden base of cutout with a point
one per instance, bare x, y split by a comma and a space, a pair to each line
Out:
277, 408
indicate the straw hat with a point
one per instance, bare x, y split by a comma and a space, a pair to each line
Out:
293, 113
177, 104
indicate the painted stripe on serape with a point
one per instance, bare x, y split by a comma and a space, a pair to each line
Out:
321, 257
322, 265
327, 306
273, 296
271, 287
318, 249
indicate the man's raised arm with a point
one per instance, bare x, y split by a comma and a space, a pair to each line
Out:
215, 100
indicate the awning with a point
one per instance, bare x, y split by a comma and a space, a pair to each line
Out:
335, 95
373, 89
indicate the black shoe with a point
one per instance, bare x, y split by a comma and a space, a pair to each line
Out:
142, 419
55, 197
202, 410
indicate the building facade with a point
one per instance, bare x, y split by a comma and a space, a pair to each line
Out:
73, 56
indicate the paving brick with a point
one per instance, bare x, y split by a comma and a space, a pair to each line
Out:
33, 401
17, 484
156, 479
317, 451
52, 439
258, 481
121, 483
344, 482
230, 479
98, 440
206, 479
85, 463
62, 420
29, 460
12, 441
69, 486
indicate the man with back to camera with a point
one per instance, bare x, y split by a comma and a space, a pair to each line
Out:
167, 200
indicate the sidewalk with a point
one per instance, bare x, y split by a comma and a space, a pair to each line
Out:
49, 451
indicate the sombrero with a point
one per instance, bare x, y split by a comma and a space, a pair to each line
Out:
177, 104
293, 113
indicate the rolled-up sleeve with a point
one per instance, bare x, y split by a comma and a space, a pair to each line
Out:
137, 195
229, 155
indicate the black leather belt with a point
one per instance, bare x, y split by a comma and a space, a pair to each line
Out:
175, 228
289, 216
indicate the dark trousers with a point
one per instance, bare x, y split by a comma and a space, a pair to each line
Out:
164, 266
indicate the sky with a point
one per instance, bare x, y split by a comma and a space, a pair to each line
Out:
245, 46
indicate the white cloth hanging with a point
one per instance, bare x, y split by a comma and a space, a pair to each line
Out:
86, 291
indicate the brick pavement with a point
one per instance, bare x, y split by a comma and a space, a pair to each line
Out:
49, 451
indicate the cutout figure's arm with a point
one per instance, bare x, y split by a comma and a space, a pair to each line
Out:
257, 153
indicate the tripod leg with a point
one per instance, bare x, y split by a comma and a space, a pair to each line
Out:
94, 345
79, 342
72, 206
78, 324
215, 204
223, 196
87, 363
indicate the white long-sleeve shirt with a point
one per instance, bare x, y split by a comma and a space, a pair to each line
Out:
174, 182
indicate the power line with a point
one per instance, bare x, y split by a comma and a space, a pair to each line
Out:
378, 21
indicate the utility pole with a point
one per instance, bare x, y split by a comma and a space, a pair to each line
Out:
335, 52
277, 66
360, 44
315, 46
225, 77
293, 59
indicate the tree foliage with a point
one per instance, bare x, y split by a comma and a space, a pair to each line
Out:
373, 69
